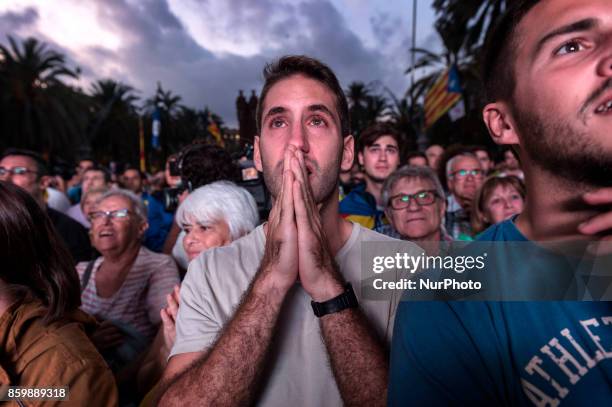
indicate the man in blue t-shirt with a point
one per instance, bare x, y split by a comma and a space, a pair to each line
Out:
549, 92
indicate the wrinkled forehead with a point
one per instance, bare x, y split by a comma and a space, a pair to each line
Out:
297, 93
465, 163
131, 174
18, 161
550, 16
93, 174
115, 202
411, 185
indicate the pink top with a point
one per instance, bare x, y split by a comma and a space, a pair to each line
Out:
141, 296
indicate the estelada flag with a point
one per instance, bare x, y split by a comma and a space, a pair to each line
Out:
442, 96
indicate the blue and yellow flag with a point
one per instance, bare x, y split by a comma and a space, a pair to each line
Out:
443, 95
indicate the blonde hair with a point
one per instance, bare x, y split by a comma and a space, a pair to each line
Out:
484, 193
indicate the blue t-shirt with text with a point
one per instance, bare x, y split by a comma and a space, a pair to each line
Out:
502, 353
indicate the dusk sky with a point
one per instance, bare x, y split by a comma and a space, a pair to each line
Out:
206, 50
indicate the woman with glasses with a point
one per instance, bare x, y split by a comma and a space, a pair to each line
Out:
415, 206
126, 287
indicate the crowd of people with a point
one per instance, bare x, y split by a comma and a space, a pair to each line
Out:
185, 288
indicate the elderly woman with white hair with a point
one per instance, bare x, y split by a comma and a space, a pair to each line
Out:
126, 287
211, 216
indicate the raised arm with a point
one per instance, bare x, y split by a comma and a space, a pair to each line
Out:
228, 373
358, 359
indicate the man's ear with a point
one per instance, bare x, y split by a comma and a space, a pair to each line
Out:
360, 158
143, 228
348, 153
442, 209
501, 125
44, 182
257, 154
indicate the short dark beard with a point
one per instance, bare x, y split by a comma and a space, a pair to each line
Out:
561, 150
273, 178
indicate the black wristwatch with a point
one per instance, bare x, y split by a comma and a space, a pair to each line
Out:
345, 300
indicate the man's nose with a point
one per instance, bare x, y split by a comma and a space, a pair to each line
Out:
413, 206
299, 137
605, 65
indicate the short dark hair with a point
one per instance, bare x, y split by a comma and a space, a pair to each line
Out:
500, 52
41, 164
479, 147
103, 170
291, 65
413, 154
131, 167
201, 164
35, 261
376, 131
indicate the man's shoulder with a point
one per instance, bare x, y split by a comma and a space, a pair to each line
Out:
65, 223
369, 235
358, 202
73, 210
503, 231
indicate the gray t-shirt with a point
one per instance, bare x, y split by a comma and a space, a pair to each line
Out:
300, 374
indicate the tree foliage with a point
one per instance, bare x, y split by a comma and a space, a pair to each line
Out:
464, 27
39, 110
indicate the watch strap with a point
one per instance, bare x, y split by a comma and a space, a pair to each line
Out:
343, 301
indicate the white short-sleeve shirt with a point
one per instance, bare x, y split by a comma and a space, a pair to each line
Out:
300, 373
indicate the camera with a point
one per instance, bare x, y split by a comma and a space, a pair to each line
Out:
171, 196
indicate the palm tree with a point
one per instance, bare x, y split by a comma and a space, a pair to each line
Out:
401, 114
366, 105
169, 107
113, 130
465, 25
165, 100
37, 109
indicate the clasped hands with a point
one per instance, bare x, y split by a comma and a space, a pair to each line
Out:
296, 245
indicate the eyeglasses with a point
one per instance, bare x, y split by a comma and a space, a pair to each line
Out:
101, 216
465, 173
422, 198
15, 171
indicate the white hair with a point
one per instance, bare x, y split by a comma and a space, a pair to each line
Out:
451, 162
220, 201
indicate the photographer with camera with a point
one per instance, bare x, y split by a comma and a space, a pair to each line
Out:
197, 165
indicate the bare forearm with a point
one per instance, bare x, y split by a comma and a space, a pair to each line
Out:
359, 360
227, 374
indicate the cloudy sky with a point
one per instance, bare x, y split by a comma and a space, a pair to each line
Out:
206, 50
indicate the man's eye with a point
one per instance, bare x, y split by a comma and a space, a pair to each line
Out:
277, 123
495, 201
317, 121
569, 48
